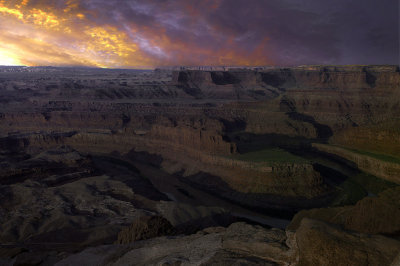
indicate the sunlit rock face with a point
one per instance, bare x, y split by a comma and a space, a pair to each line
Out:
85, 153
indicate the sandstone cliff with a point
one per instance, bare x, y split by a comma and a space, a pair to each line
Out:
378, 167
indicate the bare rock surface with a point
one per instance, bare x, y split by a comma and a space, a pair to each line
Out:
211, 246
321, 244
314, 243
60, 197
178, 213
144, 228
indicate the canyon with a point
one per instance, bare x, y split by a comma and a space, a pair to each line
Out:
258, 166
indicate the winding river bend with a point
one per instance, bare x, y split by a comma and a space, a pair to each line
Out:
178, 191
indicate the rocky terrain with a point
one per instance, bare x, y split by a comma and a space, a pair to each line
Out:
191, 167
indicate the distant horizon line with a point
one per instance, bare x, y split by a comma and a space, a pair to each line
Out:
195, 66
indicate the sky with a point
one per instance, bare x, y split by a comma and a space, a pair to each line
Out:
153, 33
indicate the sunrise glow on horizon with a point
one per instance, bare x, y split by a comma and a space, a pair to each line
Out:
6, 59
143, 34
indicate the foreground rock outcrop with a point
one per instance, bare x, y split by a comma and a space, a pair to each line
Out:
321, 244
314, 243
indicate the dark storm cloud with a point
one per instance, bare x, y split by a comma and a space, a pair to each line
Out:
227, 32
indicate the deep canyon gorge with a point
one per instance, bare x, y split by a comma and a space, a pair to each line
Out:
257, 166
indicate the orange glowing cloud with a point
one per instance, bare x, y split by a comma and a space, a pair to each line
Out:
150, 33
11, 11
49, 37
43, 33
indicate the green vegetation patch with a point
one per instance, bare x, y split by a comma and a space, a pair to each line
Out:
349, 192
358, 186
274, 155
382, 157
372, 183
